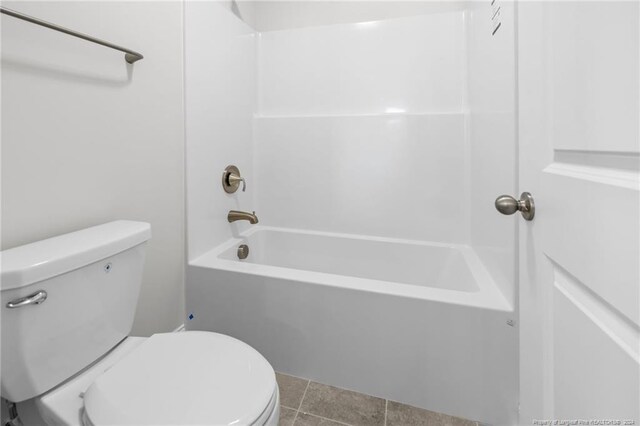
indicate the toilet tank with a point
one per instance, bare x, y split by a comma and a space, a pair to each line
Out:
91, 279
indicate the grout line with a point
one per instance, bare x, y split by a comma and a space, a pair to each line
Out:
386, 405
289, 408
326, 418
301, 401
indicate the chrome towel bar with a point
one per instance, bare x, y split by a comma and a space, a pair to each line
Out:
129, 55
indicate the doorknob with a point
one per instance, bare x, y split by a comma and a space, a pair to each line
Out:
506, 204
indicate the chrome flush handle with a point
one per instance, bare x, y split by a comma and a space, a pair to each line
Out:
32, 299
508, 205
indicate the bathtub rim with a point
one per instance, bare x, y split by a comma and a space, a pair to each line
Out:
487, 296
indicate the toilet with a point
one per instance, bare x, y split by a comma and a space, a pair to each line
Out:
68, 305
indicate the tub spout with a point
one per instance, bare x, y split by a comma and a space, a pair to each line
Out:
238, 215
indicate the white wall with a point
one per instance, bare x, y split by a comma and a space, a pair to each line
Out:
87, 139
245, 10
220, 93
492, 138
412, 65
397, 176
267, 15
360, 128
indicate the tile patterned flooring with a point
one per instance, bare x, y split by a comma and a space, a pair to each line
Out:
307, 403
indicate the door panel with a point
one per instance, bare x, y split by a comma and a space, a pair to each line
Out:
591, 363
579, 291
584, 230
594, 71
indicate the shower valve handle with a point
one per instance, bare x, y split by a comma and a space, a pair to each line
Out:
233, 178
508, 205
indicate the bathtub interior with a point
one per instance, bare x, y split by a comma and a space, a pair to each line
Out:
401, 261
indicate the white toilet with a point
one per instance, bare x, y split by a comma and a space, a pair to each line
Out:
67, 309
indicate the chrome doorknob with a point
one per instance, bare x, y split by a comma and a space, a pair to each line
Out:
508, 205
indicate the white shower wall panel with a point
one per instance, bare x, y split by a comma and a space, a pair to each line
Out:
220, 93
392, 175
491, 129
413, 64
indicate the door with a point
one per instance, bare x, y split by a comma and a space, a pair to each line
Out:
579, 150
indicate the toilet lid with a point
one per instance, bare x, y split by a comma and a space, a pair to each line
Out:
193, 377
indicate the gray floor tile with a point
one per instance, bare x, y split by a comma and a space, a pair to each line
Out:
305, 419
342, 405
291, 390
406, 415
287, 416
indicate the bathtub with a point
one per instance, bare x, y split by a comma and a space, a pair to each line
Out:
416, 322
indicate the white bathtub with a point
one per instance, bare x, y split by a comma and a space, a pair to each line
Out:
416, 322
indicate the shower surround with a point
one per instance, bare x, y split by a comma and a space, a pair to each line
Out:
360, 144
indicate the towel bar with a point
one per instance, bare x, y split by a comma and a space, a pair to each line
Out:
129, 55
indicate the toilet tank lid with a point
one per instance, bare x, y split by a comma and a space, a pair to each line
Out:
31, 263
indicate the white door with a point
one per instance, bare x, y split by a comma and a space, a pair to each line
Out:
579, 297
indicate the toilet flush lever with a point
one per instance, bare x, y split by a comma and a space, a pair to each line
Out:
32, 299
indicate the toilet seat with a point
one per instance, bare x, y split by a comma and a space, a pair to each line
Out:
193, 377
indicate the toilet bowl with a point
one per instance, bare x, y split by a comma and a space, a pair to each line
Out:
193, 377
67, 310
